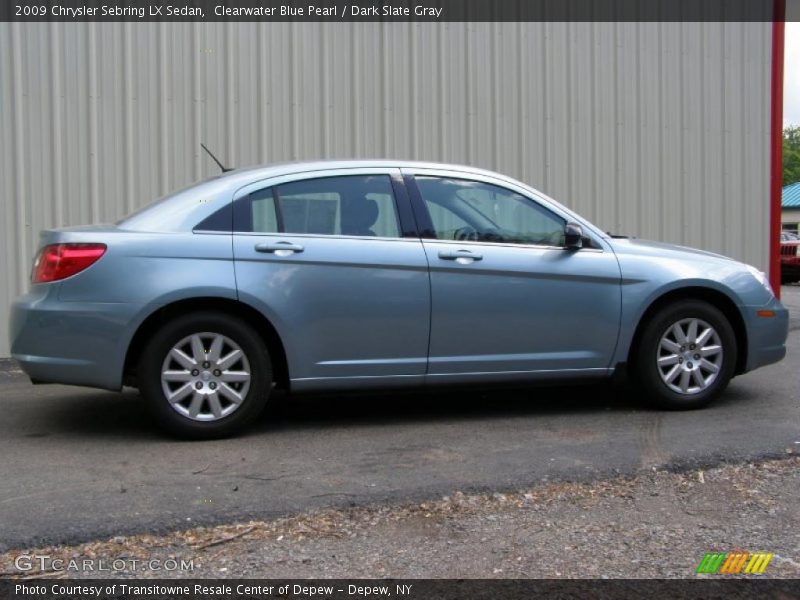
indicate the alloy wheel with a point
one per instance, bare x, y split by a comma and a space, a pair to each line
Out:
689, 356
205, 376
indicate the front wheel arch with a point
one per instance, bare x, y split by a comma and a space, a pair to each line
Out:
714, 297
254, 318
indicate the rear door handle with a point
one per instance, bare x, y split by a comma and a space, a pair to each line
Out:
460, 256
279, 248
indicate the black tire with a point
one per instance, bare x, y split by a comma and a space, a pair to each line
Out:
646, 372
161, 344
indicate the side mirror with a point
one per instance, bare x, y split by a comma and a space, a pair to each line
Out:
573, 236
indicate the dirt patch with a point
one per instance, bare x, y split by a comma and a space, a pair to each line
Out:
658, 524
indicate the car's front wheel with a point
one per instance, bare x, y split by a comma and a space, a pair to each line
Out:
205, 375
686, 355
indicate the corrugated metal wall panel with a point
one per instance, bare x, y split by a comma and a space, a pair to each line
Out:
657, 130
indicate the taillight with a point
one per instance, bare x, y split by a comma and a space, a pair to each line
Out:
58, 261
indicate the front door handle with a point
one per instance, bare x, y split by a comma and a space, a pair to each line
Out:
279, 248
463, 257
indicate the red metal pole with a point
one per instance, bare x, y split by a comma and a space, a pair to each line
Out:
776, 144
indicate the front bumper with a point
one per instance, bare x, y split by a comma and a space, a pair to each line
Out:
790, 267
766, 336
77, 343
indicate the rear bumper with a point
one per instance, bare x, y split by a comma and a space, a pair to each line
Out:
77, 343
766, 336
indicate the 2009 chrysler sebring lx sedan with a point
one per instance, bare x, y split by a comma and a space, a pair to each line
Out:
378, 274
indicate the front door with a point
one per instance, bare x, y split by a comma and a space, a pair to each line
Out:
507, 296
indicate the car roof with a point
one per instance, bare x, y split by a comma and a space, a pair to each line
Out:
256, 173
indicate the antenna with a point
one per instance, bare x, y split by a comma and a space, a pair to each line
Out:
216, 160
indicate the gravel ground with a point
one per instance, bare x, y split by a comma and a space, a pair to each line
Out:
658, 524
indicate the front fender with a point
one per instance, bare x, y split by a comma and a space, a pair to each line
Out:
638, 297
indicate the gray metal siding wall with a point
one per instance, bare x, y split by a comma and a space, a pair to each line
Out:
658, 130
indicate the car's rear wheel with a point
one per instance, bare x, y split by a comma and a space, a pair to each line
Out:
686, 355
205, 375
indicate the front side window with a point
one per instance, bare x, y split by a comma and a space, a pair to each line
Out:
351, 205
461, 209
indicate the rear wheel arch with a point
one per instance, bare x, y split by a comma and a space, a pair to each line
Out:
716, 298
235, 308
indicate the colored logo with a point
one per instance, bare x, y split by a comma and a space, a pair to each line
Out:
734, 563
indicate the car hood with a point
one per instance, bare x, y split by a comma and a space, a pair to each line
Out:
665, 250
662, 267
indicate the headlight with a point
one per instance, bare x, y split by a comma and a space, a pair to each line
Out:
761, 277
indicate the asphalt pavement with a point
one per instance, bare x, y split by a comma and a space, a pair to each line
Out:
79, 464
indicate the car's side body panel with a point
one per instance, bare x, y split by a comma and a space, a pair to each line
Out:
522, 309
347, 307
368, 312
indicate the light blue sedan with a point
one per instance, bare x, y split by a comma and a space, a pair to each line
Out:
376, 275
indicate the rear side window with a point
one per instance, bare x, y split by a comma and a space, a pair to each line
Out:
352, 205
263, 214
218, 221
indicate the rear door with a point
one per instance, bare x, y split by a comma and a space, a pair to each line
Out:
332, 259
508, 299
